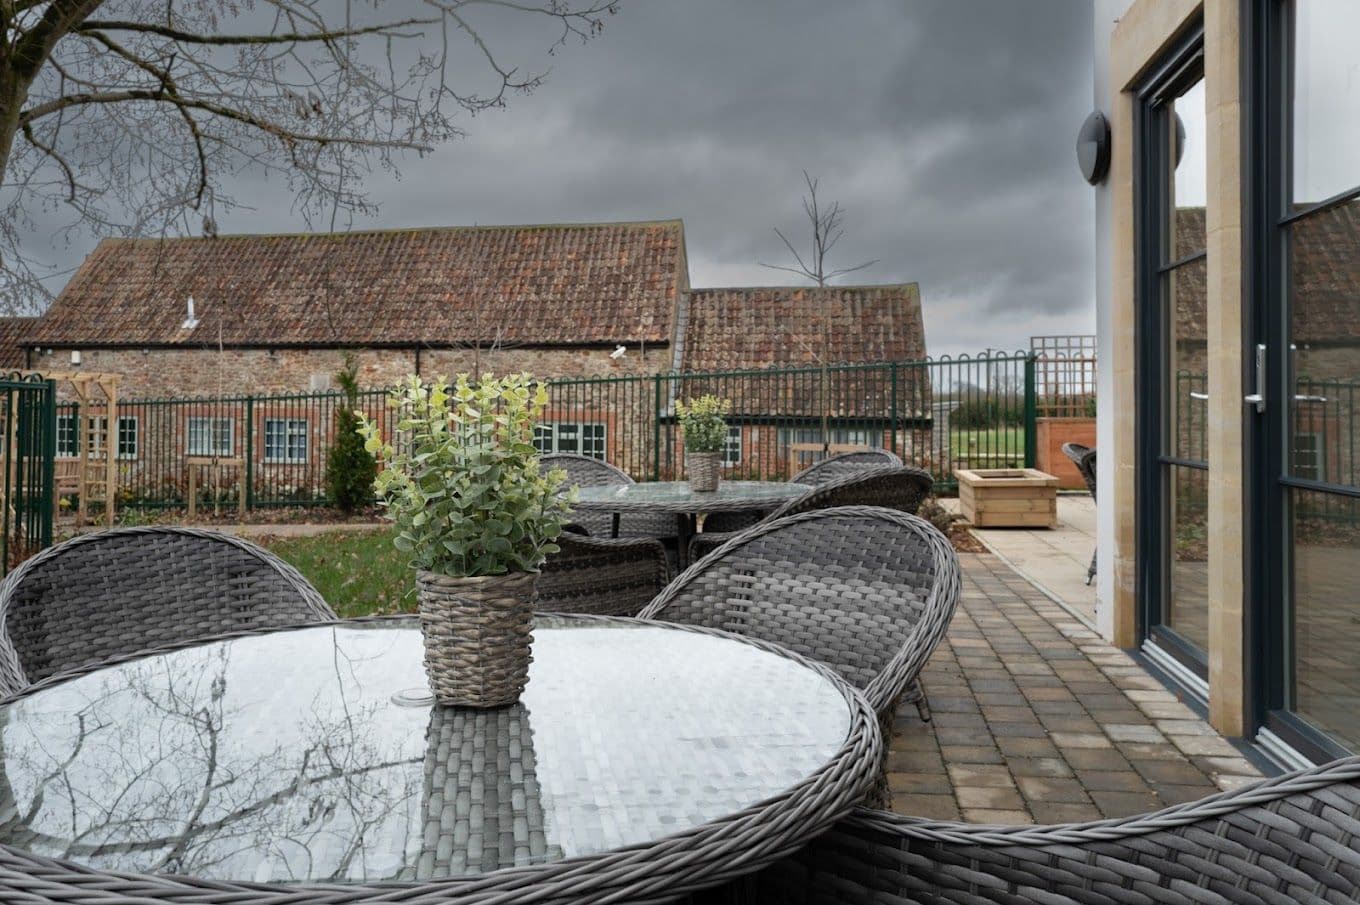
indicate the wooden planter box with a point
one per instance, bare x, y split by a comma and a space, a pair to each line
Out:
1008, 497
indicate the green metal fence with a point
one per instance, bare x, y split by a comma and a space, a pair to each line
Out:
28, 411
939, 414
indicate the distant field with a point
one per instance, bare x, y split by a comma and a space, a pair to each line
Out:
1002, 442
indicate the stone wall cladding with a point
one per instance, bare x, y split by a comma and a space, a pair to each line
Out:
159, 373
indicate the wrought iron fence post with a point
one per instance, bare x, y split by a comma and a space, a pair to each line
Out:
249, 476
1031, 412
656, 429
892, 414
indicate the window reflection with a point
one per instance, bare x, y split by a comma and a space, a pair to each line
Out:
1326, 101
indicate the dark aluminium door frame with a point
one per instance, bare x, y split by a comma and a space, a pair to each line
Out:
1180, 67
1267, 91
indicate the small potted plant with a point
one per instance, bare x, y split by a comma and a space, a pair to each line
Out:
461, 481
705, 430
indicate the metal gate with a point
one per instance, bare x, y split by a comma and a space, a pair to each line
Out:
29, 416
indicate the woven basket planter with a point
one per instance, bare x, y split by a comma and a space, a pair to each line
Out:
702, 470
477, 635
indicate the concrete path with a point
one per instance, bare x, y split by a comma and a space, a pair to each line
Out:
1054, 559
1036, 719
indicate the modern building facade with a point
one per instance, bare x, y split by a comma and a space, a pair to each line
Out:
1228, 249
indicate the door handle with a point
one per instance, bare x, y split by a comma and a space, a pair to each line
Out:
1194, 395
1305, 398
1258, 398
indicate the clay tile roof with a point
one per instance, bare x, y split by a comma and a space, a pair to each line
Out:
14, 332
528, 285
730, 329
741, 328
1324, 276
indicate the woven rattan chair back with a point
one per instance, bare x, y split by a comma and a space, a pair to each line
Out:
866, 590
115, 592
583, 471
893, 487
1084, 457
1294, 838
845, 463
601, 576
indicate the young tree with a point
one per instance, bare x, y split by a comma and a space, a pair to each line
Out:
127, 117
826, 232
350, 467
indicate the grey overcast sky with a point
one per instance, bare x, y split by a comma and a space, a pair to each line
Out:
944, 127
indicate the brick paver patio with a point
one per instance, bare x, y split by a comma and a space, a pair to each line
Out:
1038, 720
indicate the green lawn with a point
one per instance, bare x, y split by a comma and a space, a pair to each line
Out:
1010, 440
359, 573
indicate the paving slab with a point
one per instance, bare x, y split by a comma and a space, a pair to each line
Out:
1091, 740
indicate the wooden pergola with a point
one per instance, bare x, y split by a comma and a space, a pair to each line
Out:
94, 474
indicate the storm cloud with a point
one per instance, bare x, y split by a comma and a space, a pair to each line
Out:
945, 128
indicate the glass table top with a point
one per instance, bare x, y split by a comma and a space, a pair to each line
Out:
284, 757
678, 495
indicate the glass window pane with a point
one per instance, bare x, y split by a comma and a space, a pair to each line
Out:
1190, 179
1187, 409
1324, 318
1187, 609
1326, 102
1326, 623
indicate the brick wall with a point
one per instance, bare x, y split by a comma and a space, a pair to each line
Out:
177, 373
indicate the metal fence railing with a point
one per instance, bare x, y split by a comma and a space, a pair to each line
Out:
27, 416
939, 414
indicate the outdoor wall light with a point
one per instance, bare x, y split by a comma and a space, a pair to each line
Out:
1093, 148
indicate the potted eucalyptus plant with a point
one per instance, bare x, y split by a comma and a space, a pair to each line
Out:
705, 427
476, 515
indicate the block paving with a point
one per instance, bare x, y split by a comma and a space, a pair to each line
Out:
1036, 719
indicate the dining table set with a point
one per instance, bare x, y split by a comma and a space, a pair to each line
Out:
186, 721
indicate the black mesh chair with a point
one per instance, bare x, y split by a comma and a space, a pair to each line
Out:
1085, 459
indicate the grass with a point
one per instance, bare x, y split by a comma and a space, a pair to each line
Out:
359, 573
1009, 440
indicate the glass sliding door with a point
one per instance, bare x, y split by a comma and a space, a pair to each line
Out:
1310, 325
1173, 366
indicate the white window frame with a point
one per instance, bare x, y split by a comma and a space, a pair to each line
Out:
548, 438
292, 428
67, 442
731, 451
128, 451
210, 433
1317, 452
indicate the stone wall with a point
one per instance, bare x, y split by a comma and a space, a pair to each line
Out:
178, 373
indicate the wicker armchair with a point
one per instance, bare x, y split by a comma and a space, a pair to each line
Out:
118, 591
846, 463
584, 471
894, 487
867, 590
602, 576
1085, 459
837, 466
1290, 839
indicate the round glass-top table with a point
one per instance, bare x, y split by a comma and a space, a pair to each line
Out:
677, 497
290, 757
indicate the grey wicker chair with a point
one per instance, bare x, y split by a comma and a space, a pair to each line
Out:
584, 471
845, 463
867, 590
898, 487
1085, 459
603, 576
826, 470
114, 592
1290, 839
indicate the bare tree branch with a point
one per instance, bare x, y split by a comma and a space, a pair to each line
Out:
136, 118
